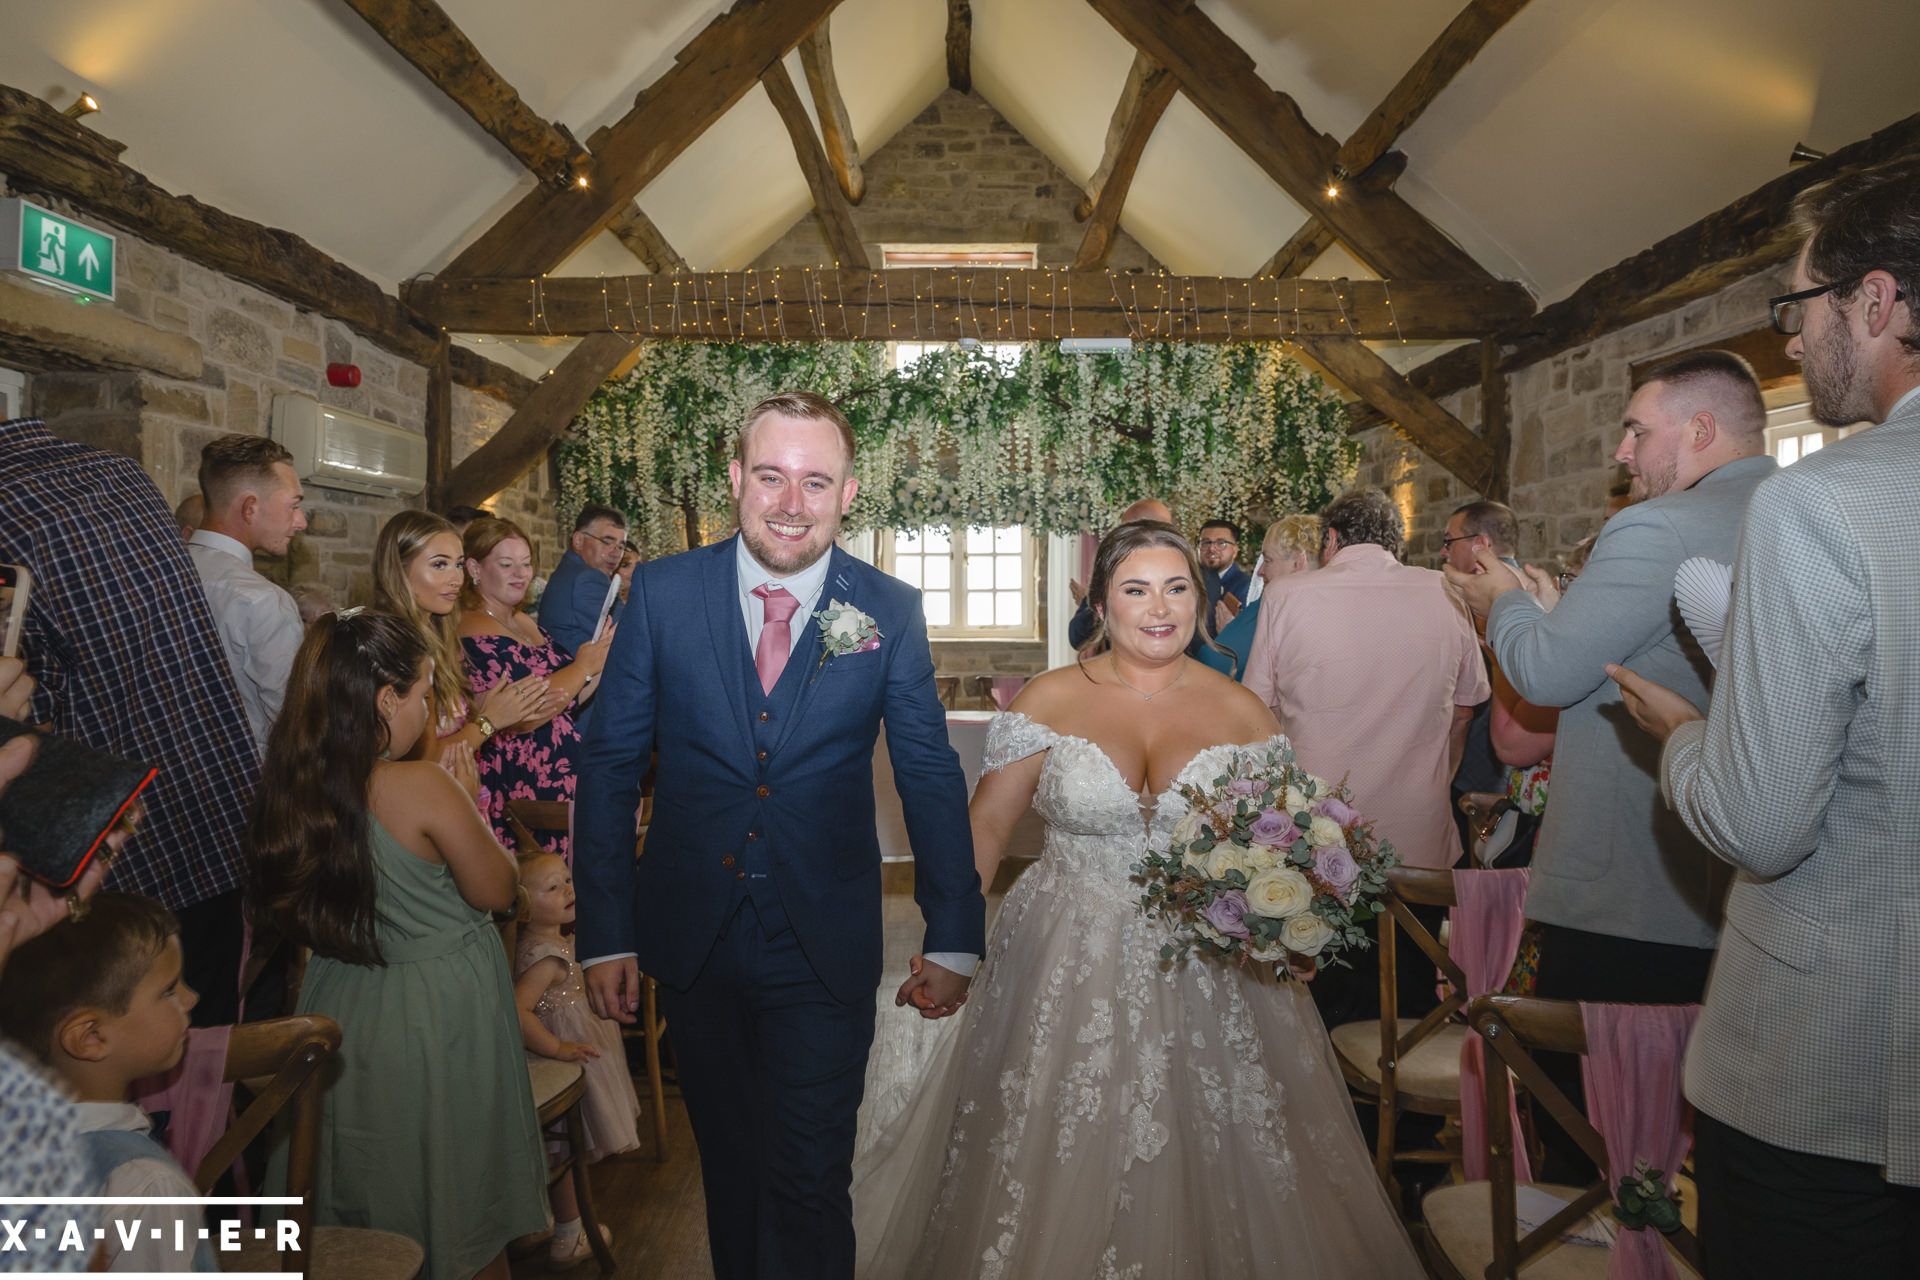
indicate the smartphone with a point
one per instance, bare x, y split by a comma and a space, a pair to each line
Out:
606, 607
15, 586
58, 813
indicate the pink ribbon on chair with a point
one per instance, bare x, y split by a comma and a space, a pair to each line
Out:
196, 1093
1634, 1056
1488, 918
1005, 689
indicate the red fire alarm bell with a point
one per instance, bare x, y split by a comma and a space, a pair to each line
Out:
343, 375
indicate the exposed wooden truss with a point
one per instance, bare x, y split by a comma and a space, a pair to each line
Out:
1143, 100
1439, 434
836, 130
804, 303
475, 372
960, 45
1751, 234
829, 202
1435, 69
439, 420
1495, 422
1761, 346
1315, 237
42, 151
537, 423
1220, 79
634, 229
421, 32
715, 70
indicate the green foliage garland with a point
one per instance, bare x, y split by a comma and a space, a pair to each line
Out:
1059, 443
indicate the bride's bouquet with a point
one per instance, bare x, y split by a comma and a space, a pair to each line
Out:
1269, 861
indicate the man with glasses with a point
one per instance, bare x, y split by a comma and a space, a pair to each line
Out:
1804, 1069
570, 606
1219, 548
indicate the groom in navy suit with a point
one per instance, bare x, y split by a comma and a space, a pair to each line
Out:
757, 903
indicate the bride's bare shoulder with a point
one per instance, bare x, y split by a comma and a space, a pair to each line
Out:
1234, 704
1048, 692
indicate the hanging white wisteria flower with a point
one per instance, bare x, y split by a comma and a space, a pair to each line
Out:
1058, 443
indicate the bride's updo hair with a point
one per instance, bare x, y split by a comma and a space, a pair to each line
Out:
1123, 541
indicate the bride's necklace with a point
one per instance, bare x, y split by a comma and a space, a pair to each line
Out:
1144, 695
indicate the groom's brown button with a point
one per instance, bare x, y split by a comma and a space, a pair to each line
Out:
765, 716
762, 791
753, 835
739, 875
727, 861
763, 755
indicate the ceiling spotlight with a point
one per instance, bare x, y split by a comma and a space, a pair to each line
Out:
581, 182
1804, 154
1333, 191
84, 105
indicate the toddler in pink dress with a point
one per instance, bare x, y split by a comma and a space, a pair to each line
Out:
556, 1022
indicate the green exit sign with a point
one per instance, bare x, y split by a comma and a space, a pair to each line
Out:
56, 250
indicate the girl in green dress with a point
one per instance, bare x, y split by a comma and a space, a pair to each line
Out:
385, 870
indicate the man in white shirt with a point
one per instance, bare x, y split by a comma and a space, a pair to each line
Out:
253, 505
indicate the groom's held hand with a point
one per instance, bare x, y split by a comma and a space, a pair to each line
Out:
935, 991
613, 988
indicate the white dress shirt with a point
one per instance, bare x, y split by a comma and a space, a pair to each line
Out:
137, 1179
259, 625
805, 586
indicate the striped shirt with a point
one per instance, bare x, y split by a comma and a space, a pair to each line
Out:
119, 636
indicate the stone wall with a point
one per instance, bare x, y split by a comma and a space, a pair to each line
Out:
1565, 414
959, 174
254, 347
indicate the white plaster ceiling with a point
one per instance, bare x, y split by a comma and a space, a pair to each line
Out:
1587, 130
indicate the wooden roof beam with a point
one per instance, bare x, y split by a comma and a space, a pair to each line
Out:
1751, 234
1315, 237
1220, 79
1439, 434
1435, 69
1042, 304
829, 202
715, 70
960, 45
836, 128
1144, 99
537, 423
634, 229
421, 32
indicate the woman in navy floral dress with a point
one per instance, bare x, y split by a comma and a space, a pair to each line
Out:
503, 644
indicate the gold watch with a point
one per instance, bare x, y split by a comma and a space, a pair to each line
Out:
485, 726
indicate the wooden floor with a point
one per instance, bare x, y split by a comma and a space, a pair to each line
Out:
656, 1210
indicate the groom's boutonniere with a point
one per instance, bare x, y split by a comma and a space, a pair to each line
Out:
844, 629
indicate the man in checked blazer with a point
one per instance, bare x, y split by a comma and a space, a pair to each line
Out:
1805, 1067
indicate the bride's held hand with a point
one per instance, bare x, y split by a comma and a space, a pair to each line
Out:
935, 991
1302, 968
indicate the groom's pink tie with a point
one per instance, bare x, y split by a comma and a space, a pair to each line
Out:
776, 637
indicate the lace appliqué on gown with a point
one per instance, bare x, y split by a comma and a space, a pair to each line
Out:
1096, 1111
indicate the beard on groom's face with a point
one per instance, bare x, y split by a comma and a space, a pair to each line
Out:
791, 491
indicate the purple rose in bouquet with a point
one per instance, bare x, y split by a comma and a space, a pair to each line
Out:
1272, 827
1339, 810
1226, 913
1245, 787
1336, 868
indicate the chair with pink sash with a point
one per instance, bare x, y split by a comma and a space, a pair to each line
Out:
1488, 917
1508, 1227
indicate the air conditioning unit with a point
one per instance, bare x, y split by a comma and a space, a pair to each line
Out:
338, 449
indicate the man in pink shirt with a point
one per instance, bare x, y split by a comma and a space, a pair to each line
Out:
1373, 669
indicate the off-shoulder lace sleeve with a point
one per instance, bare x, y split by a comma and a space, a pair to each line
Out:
1010, 737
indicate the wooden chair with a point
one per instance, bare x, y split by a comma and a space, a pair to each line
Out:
1418, 1070
1472, 1229
524, 817
558, 1089
280, 1062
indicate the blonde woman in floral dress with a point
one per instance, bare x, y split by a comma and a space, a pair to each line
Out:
1098, 1112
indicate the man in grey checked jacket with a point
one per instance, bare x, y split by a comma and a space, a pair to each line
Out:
1805, 1067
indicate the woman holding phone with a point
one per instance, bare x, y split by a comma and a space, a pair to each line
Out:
503, 644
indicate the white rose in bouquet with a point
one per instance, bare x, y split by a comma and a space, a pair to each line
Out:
1305, 933
1279, 893
1225, 858
1188, 829
1326, 831
1260, 857
1296, 800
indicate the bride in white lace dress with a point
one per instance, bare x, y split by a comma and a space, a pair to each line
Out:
1097, 1112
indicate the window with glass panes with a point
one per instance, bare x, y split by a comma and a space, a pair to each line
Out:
976, 581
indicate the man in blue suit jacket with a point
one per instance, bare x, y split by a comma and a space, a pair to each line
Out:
570, 605
760, 670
